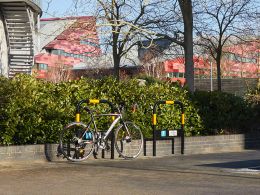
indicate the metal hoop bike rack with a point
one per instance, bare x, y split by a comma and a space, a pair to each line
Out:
166, 133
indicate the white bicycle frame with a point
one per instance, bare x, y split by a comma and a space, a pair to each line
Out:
115, 121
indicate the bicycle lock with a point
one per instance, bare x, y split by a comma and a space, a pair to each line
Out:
154, 123
112, 107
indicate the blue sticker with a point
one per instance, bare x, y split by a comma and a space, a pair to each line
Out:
163, 133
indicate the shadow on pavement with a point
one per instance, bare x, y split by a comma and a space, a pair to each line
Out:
251, 164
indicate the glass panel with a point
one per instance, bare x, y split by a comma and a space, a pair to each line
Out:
43, 66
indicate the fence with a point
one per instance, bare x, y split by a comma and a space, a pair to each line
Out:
237, 86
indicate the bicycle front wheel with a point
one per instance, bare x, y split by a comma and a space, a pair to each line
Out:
128, 140
76, 142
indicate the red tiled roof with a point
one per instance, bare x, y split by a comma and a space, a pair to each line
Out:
72, 39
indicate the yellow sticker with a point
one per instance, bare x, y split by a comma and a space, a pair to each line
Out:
154, 119
182, 119
93, 101
77, 117
169, 102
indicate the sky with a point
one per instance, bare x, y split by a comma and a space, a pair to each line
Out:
62, 8
57, 8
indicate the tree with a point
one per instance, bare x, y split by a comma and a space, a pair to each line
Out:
142, 21
151, 62
219, 22
60, 72
126, 21
176, 24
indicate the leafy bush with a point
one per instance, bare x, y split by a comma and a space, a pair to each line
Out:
149, 79
34, 111
222, 112
253, 97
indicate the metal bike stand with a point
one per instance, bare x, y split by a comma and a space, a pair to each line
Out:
95, 101
154, 123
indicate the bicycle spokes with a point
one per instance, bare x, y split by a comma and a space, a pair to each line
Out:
129, 140
74, 145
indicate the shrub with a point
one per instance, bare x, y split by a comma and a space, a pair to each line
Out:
253, 97
222, 112
34, 111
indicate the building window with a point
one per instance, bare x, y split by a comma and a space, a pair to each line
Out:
66, 54
43, 67
88, 42
181, 75
238, 58
55, 51
175, 75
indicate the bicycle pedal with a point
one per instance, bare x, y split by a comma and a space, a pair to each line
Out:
108, 148
58, 155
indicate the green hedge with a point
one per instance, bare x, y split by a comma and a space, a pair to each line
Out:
223, 113
253, 97
34, 111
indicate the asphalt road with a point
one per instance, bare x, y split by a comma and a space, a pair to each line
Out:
227, 173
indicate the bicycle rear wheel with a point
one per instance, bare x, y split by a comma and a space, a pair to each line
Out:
76, 142
128, 140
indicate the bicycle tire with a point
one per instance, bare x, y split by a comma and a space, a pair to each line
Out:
128, 143
74, 144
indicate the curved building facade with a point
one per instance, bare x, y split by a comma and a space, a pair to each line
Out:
19, 21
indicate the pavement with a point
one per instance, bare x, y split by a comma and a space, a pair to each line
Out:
225, 173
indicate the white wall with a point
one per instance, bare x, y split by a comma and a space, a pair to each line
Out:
3, 51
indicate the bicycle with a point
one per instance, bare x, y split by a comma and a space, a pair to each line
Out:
79, 140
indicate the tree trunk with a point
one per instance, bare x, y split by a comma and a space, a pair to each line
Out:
186, 9
116, 55
116, 59
189, 66
218, 61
